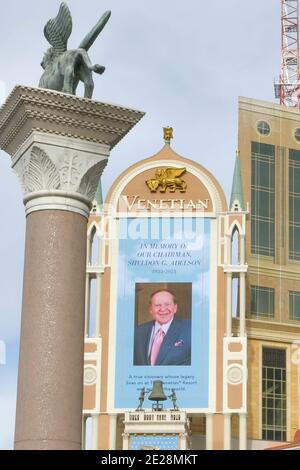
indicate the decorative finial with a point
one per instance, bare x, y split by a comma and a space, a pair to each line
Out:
168, 134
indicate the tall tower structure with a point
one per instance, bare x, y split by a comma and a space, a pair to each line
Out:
288, 88
269, 143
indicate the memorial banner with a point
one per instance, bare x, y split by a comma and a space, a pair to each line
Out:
162, 322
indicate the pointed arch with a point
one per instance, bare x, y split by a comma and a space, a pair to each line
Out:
93, 225
93, 248
235, 244
235, 226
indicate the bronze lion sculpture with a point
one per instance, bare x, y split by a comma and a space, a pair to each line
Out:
65, 68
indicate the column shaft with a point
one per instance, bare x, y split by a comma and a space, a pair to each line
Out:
243, 431
83, 432
87, 304
95, 419
242, 249
50, 383
209, 431
125, 442
229, 304
227, 431
242, 304
112, 431
98, 304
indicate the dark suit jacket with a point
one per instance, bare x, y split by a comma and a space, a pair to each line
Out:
175, 349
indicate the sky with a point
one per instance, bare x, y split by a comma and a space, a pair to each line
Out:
183, 63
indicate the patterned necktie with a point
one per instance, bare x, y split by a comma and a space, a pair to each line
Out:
158, 339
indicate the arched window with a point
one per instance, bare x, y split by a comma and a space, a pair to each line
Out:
94, 247
235, 297
92, 308
235, 247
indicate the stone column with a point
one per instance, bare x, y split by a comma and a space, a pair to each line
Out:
229, 304
242, 304
125, 441
95, 419
59, 146
227, 431
183, 441
98, 303
87, 303
83, 432
112, 431
209, 431
243, 431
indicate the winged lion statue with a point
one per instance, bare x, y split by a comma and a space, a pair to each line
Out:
65, 68
167, 178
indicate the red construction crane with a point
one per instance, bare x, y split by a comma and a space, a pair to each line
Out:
288, 88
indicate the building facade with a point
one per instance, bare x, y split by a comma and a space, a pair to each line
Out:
236, 282
269, 143
166, 226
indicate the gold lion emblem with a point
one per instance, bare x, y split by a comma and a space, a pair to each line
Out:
167, 178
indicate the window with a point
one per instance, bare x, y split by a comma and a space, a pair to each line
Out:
294, 204
294, 305
274, 394
263, 128
262, 301
297, 134
262, 199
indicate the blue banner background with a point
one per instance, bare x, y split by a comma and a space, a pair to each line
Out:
140, 239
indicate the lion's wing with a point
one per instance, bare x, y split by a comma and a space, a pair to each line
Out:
58, 30
175, 172
89, 39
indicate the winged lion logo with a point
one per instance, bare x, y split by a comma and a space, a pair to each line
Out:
167, 178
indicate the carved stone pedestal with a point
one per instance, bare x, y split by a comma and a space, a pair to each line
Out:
59, 146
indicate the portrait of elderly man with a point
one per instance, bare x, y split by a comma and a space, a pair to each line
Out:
166, 339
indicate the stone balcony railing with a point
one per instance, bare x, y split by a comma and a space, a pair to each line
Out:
166, 416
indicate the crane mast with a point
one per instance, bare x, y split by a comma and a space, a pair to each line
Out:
288, 88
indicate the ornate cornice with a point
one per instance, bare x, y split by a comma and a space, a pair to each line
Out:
61, 114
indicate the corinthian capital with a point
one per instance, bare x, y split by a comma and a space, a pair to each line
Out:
59, 172
60, 145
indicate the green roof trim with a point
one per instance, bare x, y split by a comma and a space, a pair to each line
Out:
237, 188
